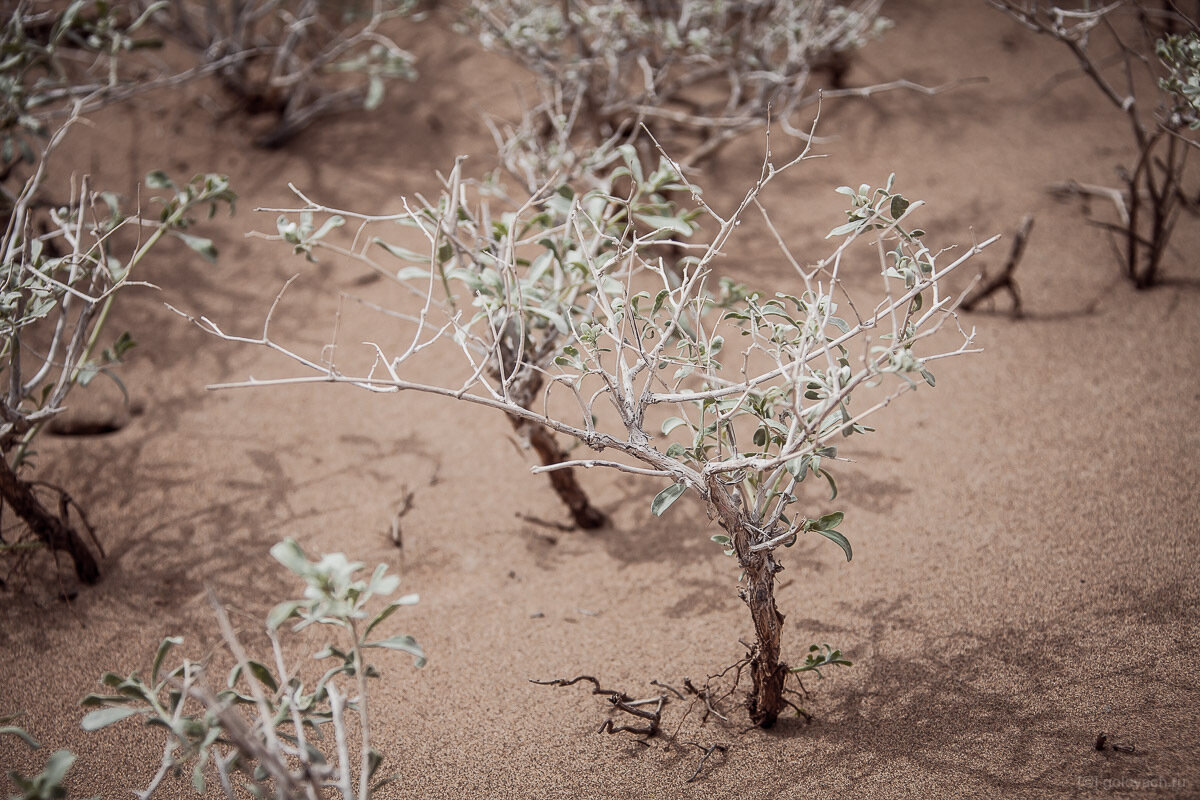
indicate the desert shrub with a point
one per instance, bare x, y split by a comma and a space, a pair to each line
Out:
1156, 87
736, 395
55, 61
298, 60
260, 730
60, 274
698, 70
271, 751
64, 260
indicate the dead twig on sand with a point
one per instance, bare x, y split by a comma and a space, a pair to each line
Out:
1005, 279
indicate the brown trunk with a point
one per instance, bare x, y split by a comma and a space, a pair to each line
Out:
583, 512
766, 670
52, 531
524, 387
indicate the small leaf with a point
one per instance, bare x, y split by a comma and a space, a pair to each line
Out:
103, 717
158, 179
720, 538
404, 643
22, 734
658, 302
291, 556
666, 497
374, 93
404, 254
283, 612
260, 673
671, 423
407, 600
928, 376
840, 540
899, 206
163, 649
204, 247
374, 759
829, 521
56, 769
833, 490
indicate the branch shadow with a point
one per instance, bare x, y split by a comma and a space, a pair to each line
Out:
1007, 708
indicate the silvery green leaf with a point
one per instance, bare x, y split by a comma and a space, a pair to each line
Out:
103, 717
671, 423
829, 521
201, 245
157, 179
403, 643
404, 253
163, 649
291, 556
283, 612
22, 734
666, 497
374, 96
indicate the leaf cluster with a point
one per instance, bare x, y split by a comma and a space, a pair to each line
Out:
284, 719
56, 289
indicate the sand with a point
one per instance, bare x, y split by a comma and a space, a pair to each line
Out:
1026, 534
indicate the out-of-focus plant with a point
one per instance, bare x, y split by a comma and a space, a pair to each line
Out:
738, 396
702, 71
259, 731
60, 273
1157, 49
47, 784
298, 60
53, 57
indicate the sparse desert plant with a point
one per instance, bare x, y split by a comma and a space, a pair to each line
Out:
736, 395
272, 750
549, 292
60, 273
42, 46
299, 60
1155, 83
47, 784
706, 68
59, 61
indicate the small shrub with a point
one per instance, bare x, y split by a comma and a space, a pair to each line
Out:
271, 751
738, 396
58, 291
1163, 128
298, 60
701, 70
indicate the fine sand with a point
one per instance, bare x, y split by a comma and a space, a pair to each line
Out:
1026, 534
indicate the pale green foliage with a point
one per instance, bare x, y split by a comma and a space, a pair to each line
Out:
758, 387
1181, 57
41, 48
708, 68
57, 288
300, 60
47, 784
272, 750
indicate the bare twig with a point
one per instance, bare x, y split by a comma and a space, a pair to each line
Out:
1005, 279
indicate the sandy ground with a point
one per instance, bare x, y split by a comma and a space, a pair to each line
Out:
1026, 535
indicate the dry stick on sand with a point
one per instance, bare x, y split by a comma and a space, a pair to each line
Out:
624, 702
1005, 278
